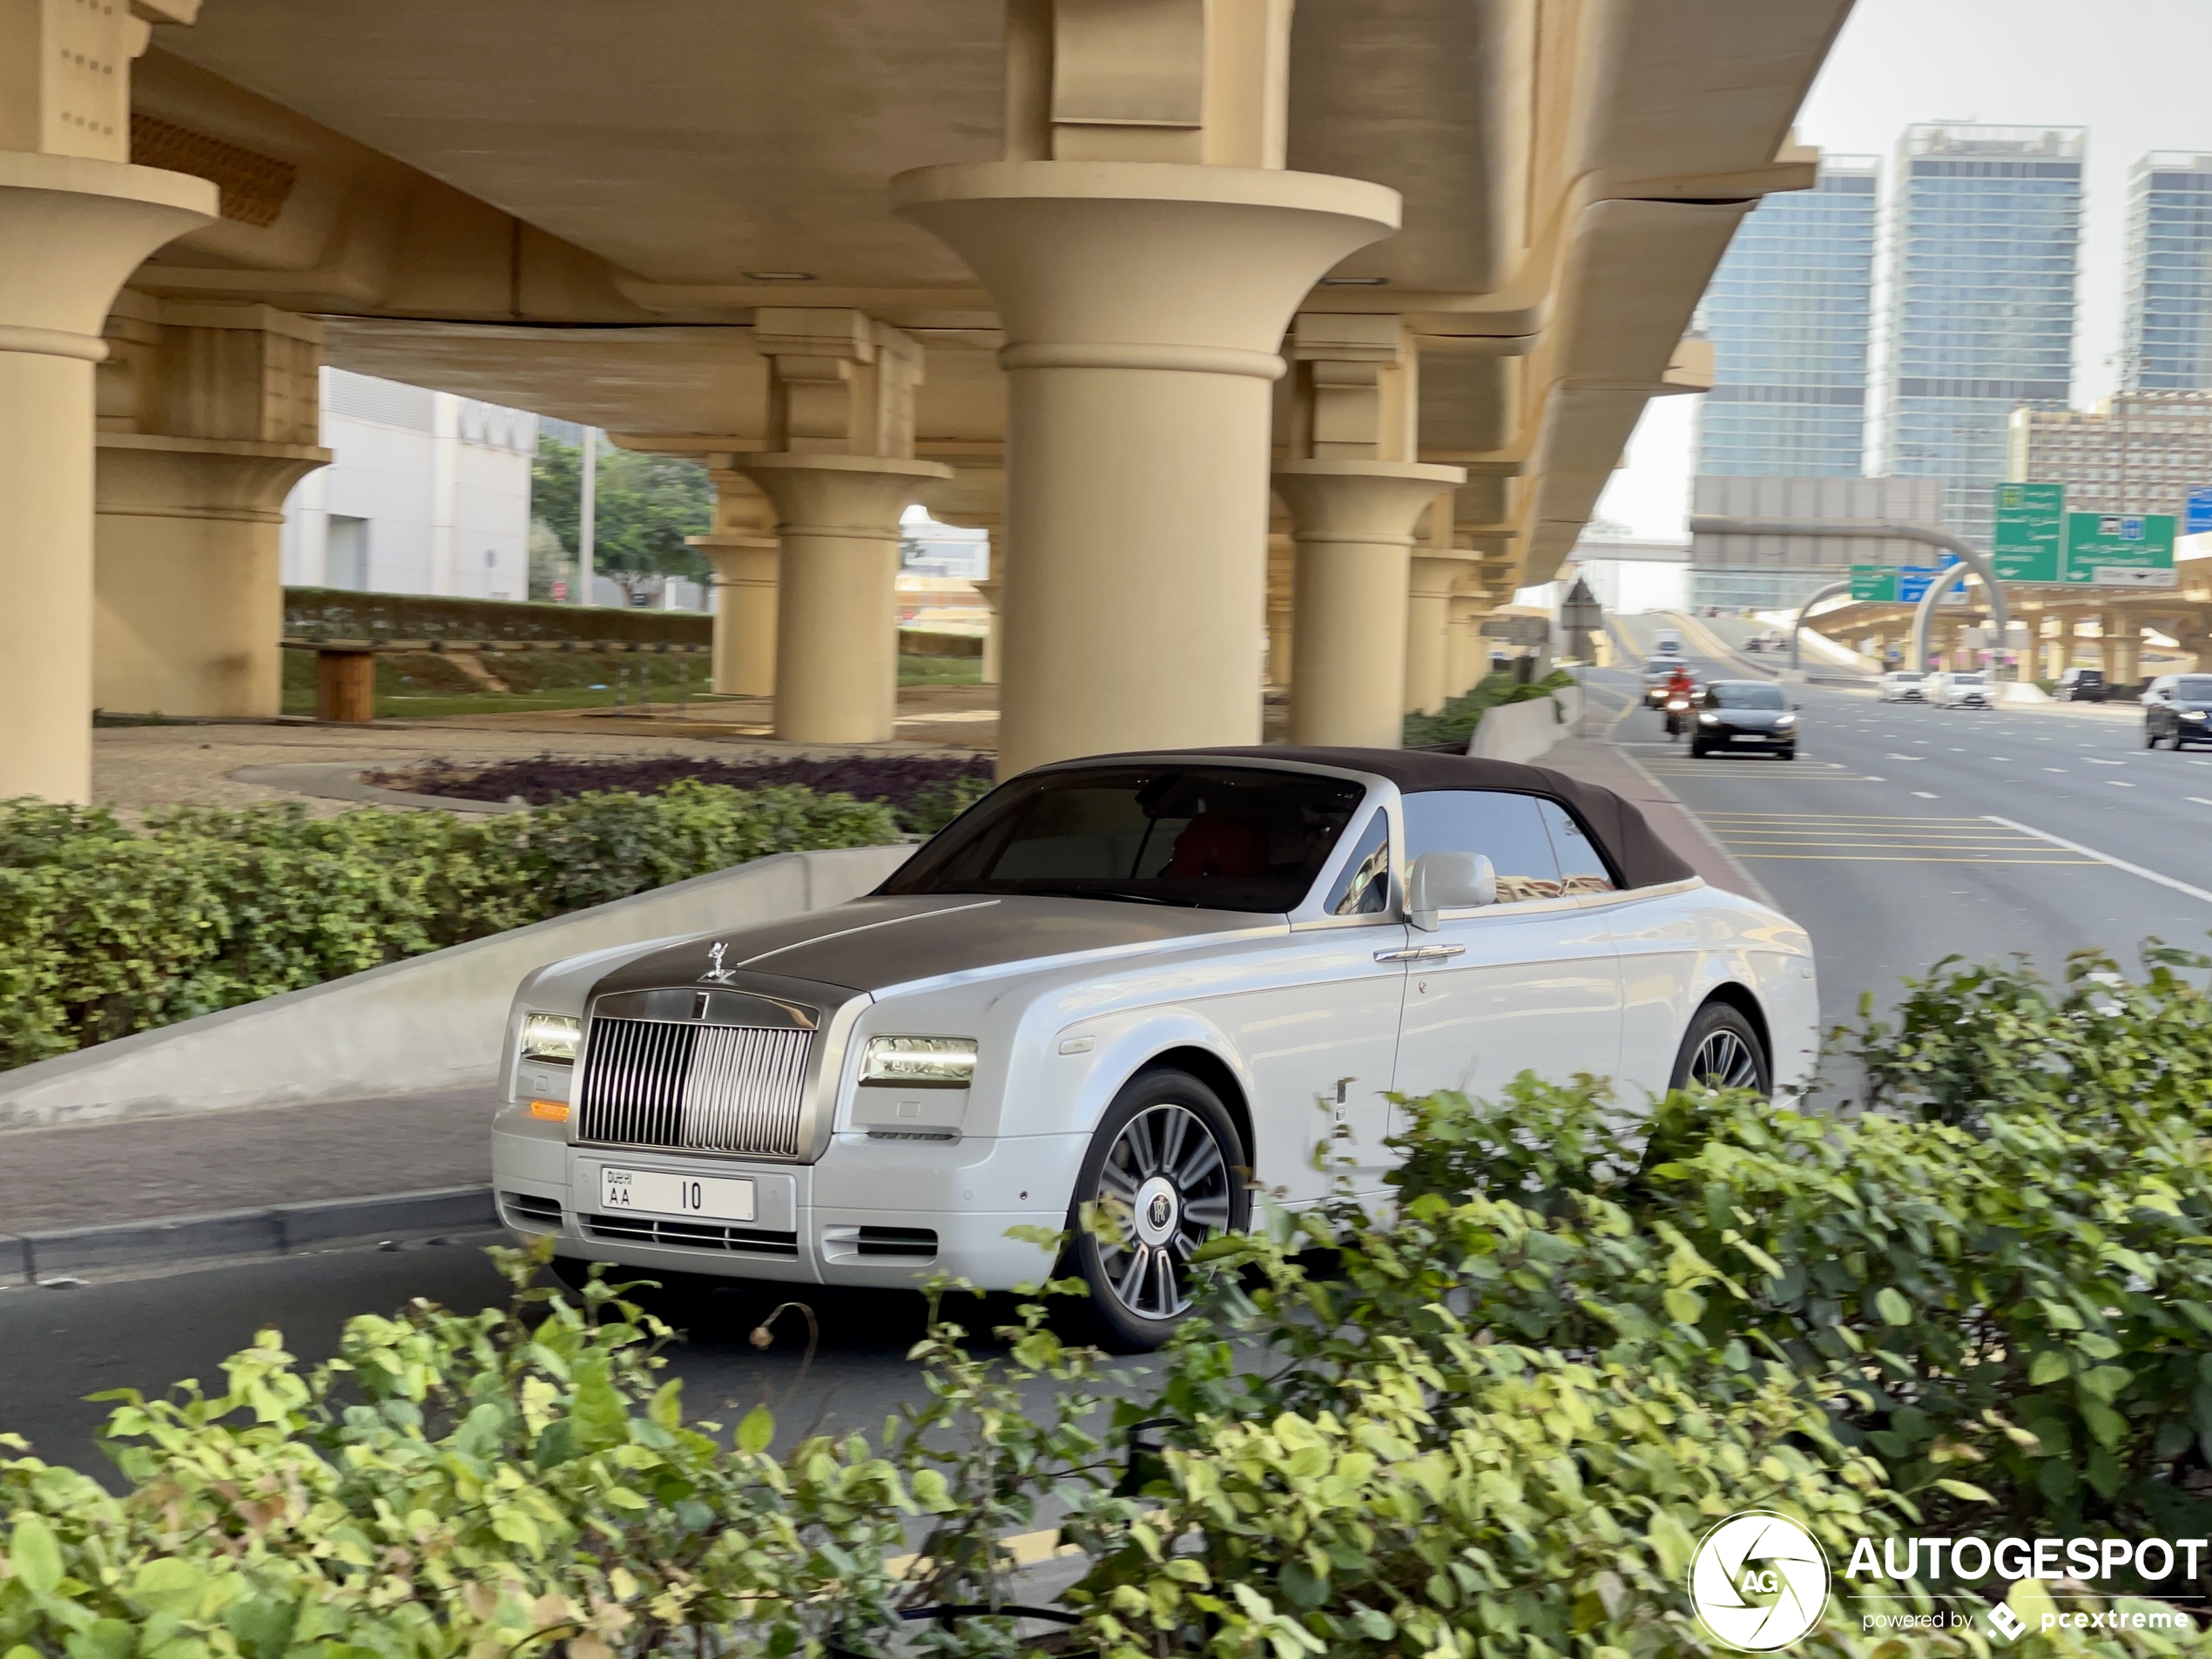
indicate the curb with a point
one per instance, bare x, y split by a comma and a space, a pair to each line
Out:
280, 1230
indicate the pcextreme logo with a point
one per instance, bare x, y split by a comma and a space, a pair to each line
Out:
1759, 1581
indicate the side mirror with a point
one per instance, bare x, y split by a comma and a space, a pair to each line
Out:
1447, 882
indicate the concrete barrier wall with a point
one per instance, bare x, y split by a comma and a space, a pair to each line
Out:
432, 1021
1526, 731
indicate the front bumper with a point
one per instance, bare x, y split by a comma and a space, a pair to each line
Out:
1721, 736
888, 1214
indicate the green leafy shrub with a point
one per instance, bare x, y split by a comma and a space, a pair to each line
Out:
1489, 1421
105, 930
1452, 724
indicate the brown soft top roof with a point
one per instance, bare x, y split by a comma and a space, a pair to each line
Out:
1642, 859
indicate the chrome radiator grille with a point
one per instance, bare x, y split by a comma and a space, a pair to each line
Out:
706, 1087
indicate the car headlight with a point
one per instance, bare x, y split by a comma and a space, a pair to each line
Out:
1782, 720
1709, 720
2192, 714
948, 1063
551, 1036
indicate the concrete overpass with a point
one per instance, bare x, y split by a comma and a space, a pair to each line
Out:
1090, 273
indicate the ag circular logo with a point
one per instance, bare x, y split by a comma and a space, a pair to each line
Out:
1759, 1581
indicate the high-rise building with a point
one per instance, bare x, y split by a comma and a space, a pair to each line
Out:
1789, 312
2141, 452
2168, 343
1983, 237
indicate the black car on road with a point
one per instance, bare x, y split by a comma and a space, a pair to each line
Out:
1745, 716
2180, 713
2081, 685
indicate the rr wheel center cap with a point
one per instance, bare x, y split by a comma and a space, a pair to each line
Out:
1159, 1208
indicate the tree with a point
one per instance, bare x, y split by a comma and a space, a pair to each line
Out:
647, 504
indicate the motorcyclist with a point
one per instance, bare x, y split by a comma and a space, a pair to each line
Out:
1675, 698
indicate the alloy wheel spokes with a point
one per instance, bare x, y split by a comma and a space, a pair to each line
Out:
1725, 1060
1171, 1183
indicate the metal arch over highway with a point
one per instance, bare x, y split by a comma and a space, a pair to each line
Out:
1797, 627
1878, 529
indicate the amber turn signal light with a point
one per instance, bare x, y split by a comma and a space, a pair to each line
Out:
553, 1111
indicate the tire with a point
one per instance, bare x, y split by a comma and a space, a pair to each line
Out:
2150, 740
1721, 1049
1168, 1170
1698, 751
1787, 754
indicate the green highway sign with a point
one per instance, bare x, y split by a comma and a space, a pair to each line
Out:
2025, 547
2120, 549
1874, 583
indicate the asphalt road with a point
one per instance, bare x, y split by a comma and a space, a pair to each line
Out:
59, 1345
1884, 837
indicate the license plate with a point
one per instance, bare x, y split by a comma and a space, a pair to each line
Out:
676, 1194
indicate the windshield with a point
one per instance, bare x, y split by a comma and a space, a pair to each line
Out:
1664, 667
2194, 688
1908, 676
1967, 679
1744, 694
1213, 837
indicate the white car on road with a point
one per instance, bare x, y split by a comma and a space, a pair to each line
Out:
1145, 983
1903, 685
1960, 691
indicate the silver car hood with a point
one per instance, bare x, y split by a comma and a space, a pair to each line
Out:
872, 943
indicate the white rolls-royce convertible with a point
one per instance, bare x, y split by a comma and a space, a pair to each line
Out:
1150, 983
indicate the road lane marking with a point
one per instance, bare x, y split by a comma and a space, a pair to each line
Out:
2120, 783
2199, 799
1925, 795
2095, 762
2103, 858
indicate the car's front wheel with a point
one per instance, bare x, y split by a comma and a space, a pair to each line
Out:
1166, 1171
1721, 1049
1789, 753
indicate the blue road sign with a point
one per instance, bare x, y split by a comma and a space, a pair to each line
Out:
1912, 583
2198, 513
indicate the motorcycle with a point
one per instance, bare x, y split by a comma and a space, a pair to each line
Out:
1678, 716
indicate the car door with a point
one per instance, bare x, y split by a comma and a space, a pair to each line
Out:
1316, 1023
1528, 983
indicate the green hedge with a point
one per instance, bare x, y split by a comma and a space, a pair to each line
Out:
1489, 1421
341, 613
105, 930
1455, 723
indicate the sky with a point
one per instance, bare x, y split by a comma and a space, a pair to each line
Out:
2137, 73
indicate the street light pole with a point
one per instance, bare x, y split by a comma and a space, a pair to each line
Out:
1880, 529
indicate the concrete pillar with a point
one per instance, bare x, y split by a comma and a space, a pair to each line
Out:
974, 498
1144, 251
2059, 654
837, 636
1355, 494
208, 415
839, 470
1354, 538
1467, 655
74, 220
1433, 574
742, 549
2123, 648
1282, 588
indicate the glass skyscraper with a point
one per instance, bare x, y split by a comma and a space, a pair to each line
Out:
1788, 313
2168, 346
1983, 237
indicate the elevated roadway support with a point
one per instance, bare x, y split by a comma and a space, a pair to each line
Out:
1144, 303
71, 229
1355, 538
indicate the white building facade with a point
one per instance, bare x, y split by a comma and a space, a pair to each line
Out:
429, 493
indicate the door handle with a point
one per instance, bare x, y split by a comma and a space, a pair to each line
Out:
1421, 954
1408, 955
